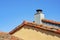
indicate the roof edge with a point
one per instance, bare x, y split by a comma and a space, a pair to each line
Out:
36, 26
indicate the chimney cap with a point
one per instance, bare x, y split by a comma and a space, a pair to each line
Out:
39, 10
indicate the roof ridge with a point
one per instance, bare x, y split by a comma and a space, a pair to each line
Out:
51, 21
35, 25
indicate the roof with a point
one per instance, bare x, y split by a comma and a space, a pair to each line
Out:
51, 21
6, 36
51, 29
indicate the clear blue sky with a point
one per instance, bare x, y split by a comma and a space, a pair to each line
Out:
14, 12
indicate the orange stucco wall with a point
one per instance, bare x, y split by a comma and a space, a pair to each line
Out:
31, 33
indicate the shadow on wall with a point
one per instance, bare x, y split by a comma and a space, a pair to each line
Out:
43, 31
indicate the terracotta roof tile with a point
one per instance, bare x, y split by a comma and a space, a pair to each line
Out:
50, 21
6, 36
55, 30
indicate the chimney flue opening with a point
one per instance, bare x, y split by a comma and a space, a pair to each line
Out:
39, 10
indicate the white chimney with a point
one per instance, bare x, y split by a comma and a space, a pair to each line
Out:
39, 16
